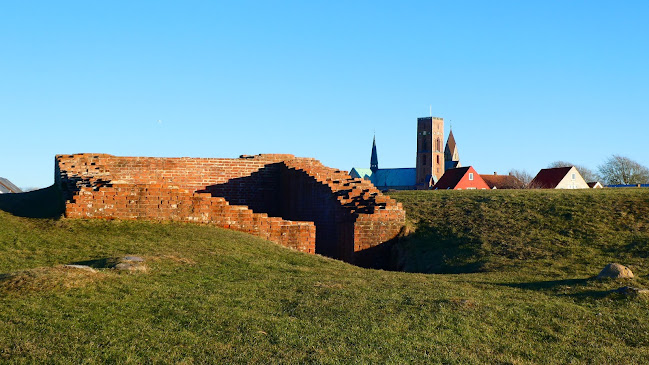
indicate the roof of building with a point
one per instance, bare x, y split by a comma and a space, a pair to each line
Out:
394, 177
451, 165
7, 186
449, 150
549, 178
502, 181
594, 184
360, 173
374, 160
386, 178
451, 178
628, 186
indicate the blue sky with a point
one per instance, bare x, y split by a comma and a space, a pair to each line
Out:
524, 83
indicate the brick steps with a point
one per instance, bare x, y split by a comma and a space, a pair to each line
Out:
358, 195
377, 218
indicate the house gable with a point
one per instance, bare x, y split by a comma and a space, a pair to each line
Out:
461, 178
572, 180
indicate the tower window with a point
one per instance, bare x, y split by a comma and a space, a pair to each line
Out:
438, 159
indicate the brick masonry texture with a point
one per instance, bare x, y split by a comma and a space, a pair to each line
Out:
296, 202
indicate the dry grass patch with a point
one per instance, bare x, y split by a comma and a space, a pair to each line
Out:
175, 258
40, 279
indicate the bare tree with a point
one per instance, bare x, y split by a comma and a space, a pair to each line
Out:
523, 176
623, 170
588, 174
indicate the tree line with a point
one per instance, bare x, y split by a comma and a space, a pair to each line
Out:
616, 170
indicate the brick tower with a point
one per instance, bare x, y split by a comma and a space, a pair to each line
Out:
430, 153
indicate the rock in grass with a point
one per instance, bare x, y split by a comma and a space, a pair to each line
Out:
130, 264
134, 258
615, 271
629, 290
79, 267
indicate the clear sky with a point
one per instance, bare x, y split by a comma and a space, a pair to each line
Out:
524, 83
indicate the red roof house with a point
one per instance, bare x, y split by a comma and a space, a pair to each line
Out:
461, 178
559, 178
502, 181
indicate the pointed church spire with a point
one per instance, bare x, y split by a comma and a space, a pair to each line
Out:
374, 161
451, 154
451, 147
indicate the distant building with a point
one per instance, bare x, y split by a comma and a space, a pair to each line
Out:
559, 178
429, 163
628, 186
496, 181
384, 179
595, 185
7, 186
461, 178
374, 160
430, 155
451, 154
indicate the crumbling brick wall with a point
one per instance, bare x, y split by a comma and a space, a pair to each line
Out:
132, 201
222, 176
297, 202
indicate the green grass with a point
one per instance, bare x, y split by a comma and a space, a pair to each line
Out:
218, 296
539, 231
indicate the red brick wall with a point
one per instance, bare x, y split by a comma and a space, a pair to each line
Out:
206, 174
131, 201
364, 218
305, 198
343, 215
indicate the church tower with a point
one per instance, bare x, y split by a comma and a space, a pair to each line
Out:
374, 160
451, 154
430, 156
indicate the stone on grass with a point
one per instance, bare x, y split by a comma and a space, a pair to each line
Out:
80, 267
629, 290
615, 271
130, 264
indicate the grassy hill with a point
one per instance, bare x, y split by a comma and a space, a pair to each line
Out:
548, 231
521, 290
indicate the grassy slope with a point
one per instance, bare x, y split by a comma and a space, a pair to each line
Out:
553, 232
213, 295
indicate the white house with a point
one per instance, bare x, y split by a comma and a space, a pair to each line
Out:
559, 178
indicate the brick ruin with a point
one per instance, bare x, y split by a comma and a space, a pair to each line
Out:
295, 202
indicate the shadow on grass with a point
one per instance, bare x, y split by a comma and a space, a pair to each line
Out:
42, 203
549, 284
427, 250
103, 263
576, 288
